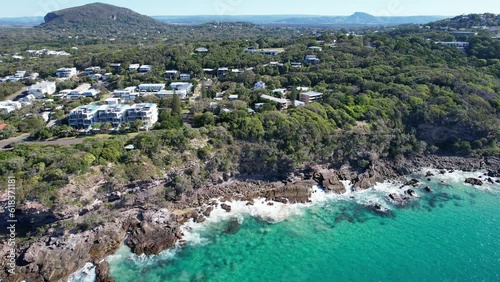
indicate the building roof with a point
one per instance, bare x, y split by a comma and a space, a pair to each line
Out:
2, 126
274, 99
312, 93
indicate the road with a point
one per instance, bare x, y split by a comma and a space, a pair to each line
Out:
22, 138
9, 141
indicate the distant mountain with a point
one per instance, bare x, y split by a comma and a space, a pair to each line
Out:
99, 18
356, 19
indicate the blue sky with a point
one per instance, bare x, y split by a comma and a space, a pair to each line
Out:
30, 8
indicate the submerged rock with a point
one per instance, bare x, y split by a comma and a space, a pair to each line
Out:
233, 226
428, 189
474, 181
429, 174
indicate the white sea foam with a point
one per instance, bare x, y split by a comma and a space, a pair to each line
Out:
459, 177
85, 274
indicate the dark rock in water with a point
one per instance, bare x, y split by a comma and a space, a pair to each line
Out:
411, 192
208, 211
226, 207
399, 200
428, 179
498, 181
429, 174
270, 204
490, 180
442, 171
250, 203
199, 218
428, 189
474, 181
102, 273
330, 181
233, 226
413, 182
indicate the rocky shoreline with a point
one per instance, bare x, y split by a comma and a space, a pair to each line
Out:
151, 228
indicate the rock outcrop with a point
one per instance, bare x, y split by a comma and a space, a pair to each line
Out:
474, 181
330, 181
150, 239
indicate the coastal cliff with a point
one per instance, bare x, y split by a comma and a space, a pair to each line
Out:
152, 228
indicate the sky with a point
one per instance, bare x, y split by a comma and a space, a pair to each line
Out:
31, 8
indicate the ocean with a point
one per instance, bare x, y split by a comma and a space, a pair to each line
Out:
452, 234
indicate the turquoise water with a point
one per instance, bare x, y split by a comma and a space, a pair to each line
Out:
452, 234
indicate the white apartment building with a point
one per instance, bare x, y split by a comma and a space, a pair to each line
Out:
147, 112
84, 117
127, 94
43, 88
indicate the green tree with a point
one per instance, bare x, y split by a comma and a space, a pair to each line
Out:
176, 105
137, 124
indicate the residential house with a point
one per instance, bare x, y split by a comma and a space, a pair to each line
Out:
20, 74
78, 92
282, 103
259, 85
147, 112
145, 68
281, 92
296, 64
28, 99
66, 72
170, 74
8, 106
127, 94
460, 45
167, 93
43, 88
96, 76
63, 93
222, 72
183, 89
151, 88
315, 48
185, 77
133, 67
311, 96
201, 50
115, 66
272, 52
92, 70
106, 76
113, 101
233, 97
92, 93
311, 59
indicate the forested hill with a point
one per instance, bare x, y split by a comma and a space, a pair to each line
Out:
99, 17
469, 21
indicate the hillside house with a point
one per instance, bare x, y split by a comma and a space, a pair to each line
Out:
311, 96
